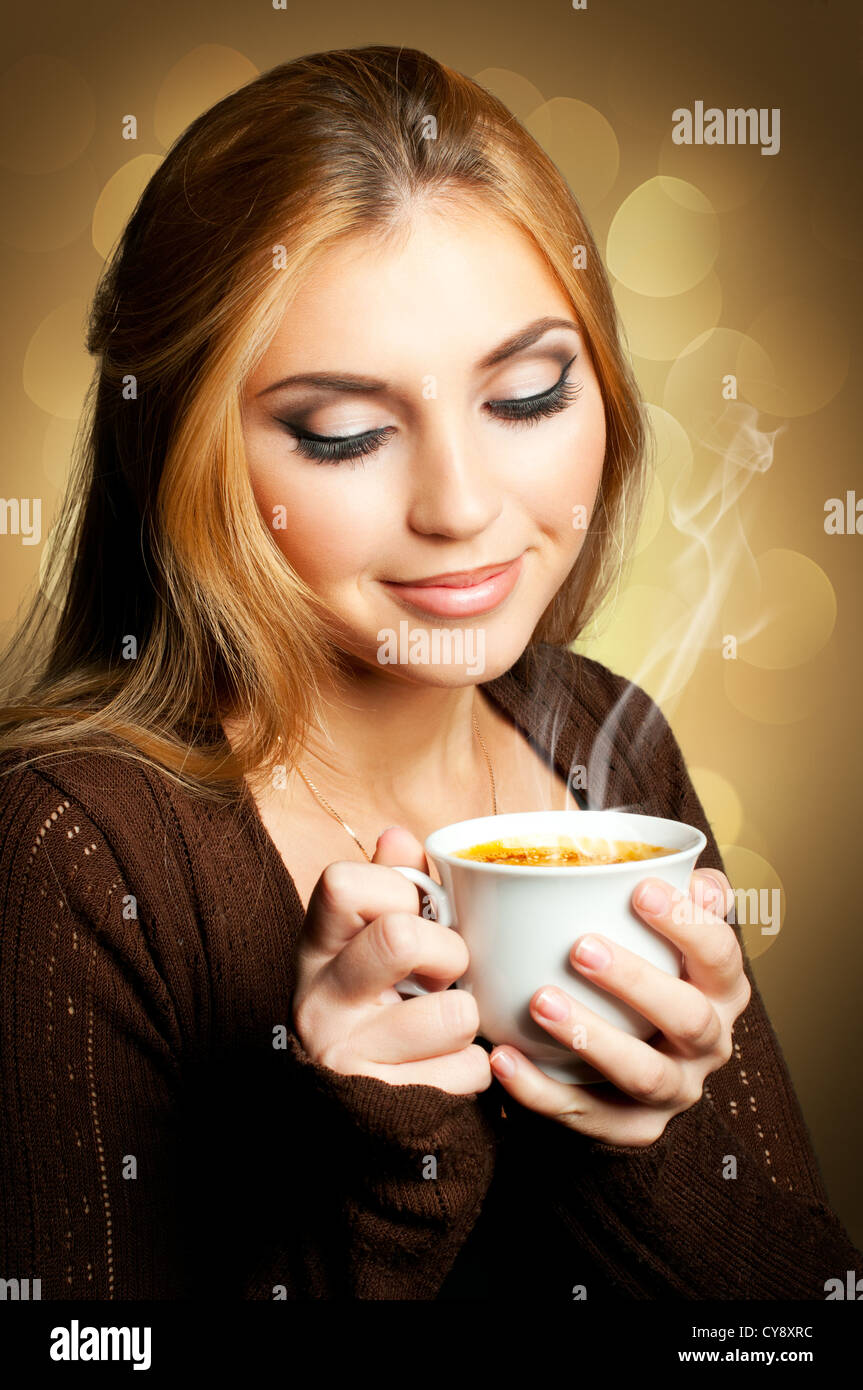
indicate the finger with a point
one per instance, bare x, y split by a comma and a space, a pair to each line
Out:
599, 1111
711, 889
461, 1073
348, 896
711, 951
427, 1026
533, 1089
649, 1076
678, 1009
633, 1066
392, 946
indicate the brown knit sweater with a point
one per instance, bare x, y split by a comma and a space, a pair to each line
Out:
155, 1143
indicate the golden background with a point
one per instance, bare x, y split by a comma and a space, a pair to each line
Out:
722, 260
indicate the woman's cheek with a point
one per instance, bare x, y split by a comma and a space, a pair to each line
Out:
318, 531
562, 496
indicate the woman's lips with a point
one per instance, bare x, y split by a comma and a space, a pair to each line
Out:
457, 599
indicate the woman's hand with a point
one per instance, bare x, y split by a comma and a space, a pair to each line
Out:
651, 1082
363, 934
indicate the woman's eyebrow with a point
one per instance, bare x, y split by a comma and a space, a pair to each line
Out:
337, 381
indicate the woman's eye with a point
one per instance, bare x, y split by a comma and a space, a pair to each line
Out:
529, 409
322, 448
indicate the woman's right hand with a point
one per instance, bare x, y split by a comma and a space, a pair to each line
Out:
361, 935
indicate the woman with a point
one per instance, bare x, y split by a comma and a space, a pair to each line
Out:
352, 386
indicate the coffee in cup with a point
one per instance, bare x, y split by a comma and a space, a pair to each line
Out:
564, 853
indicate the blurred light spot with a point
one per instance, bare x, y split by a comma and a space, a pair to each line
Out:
57, 367
516, 92
720, 800
659, 329
652, 516
642, 635
696, 381
782, 610
779, 697
195, 83
118, 198
664, 238
582, 144
673, 447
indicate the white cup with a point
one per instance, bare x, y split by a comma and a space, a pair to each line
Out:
520, 922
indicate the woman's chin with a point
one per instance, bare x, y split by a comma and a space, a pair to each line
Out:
448, 656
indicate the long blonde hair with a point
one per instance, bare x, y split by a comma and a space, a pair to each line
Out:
165, 602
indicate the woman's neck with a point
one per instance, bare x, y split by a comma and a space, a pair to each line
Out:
392, 748
396, 744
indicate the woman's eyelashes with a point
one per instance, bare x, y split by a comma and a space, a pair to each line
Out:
523, 410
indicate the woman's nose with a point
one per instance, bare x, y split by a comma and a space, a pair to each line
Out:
452, 490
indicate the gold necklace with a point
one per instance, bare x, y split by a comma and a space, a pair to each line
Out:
327, 807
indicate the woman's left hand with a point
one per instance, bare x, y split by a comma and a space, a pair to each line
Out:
651, 1082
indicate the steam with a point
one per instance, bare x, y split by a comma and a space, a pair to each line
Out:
704, 507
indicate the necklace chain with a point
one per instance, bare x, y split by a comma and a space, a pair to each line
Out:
333, 812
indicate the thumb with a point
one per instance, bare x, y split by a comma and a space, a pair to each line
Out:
396, 845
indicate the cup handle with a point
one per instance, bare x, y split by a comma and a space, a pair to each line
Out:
442, 914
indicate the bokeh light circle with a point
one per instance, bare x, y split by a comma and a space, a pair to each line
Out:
697, 380
57, 368
642, 633
118, 198
518, 93
582, 144
652, 515
664, 238
660, 328
779, 697
195, 83
783, 609
721, 802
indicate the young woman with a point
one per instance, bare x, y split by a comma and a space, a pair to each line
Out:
352, 387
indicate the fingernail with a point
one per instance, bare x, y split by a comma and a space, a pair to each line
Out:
550, 1006
502, 1063
592, 953
653, 898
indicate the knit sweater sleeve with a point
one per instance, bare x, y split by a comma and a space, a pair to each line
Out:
89, 1066
393, 1178
678, 1218
371, 1189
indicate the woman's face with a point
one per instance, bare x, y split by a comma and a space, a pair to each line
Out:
478, 451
